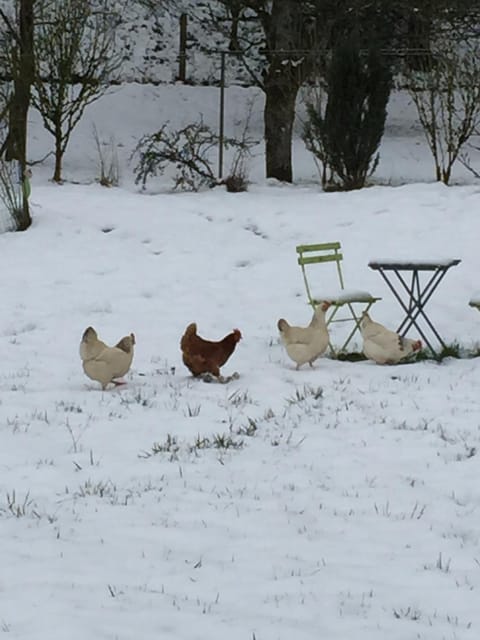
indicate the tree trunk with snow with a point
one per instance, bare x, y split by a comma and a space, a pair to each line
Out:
288, 66
279, 117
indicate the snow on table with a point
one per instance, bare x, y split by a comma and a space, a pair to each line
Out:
414, 264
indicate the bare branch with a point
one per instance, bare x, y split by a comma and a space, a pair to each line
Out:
447, 98
76, 60
11, 29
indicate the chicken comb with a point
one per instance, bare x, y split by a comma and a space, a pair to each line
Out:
88, 331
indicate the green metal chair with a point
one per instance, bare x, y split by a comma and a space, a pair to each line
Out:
354, 303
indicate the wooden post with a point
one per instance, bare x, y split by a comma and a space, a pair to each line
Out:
182, 56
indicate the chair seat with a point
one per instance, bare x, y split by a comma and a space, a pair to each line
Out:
344, 296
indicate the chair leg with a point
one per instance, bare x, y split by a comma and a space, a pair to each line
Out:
329, 320
356, 319
356, 327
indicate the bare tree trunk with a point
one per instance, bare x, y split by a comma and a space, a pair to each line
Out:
16, 143
287, 68
57, 173
419, 31
236, 12
73, 44
279, 116
182, 55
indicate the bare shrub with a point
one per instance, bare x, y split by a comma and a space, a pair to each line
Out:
447, 98
108, 164
11, 194
237, 180
189, 150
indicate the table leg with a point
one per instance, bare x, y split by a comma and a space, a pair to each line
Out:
418, 300
410, 309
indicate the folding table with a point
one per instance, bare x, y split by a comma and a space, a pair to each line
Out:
413, 292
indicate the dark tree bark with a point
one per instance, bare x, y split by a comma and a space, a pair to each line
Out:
288, 67
280, 98
292, 32
23, 77
236, 13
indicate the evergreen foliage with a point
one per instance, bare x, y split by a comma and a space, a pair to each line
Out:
346, 136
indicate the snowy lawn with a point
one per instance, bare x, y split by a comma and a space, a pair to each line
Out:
337, 502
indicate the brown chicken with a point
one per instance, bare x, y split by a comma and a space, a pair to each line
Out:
103, 363
204, 356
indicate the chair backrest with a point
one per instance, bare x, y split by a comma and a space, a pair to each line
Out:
317, 254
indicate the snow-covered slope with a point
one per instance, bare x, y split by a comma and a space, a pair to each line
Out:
340, 500
150, 42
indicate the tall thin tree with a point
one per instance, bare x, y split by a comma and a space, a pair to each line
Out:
76, 60
19, 36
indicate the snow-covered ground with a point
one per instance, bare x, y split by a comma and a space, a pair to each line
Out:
335, 502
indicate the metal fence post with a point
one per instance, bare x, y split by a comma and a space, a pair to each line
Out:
221, 129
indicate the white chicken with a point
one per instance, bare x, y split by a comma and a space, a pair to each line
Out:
384, 346
306, 344
103, 363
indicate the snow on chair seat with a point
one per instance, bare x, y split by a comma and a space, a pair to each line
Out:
344, 296
330, 252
